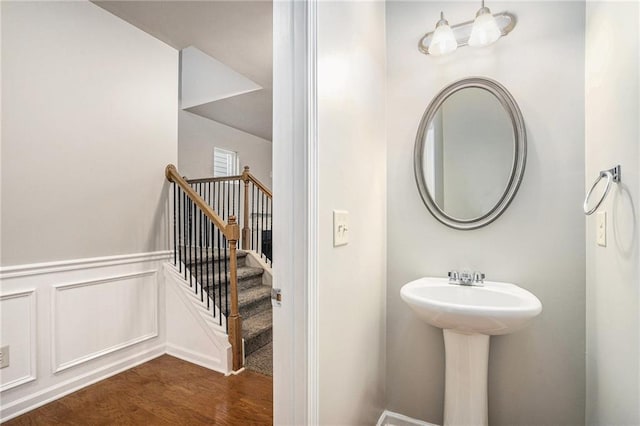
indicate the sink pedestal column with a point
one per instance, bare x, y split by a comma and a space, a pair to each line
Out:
465, 396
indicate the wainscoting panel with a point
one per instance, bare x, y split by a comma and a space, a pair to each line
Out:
71, 323
18, 331
96, 317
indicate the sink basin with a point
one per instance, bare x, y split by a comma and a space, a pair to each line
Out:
468, 316
495, 308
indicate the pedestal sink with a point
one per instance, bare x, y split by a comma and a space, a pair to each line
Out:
468, 315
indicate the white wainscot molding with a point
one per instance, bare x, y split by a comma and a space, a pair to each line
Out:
18, 331
77, 321
93, 318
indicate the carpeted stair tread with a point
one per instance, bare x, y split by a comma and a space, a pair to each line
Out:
256, 324
257, 331
261, 361
209, 254
253, 300
244, 273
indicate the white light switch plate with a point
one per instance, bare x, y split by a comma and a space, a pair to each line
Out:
601, 228
340, 228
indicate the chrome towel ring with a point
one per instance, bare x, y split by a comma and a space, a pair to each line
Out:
612, 175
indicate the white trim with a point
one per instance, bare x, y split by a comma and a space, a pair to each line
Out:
31, 294
389, 416
40, 398
84, 263
188, 355
313, 292
86, 358
215, 333
254, 260
295, 363
201, 312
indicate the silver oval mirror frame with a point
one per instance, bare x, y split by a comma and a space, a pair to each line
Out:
519, 152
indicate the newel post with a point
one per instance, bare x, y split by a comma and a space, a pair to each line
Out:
234, 320
246, 232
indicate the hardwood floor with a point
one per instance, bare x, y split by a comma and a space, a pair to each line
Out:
163, 391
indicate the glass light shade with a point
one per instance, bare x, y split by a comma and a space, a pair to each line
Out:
485, 29
443, 41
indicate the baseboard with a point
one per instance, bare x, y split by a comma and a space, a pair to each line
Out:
59, 390
196, 358
389, 418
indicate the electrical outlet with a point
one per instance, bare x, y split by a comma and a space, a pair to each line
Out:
4, 356
601, 229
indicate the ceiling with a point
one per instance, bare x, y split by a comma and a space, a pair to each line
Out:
237, 33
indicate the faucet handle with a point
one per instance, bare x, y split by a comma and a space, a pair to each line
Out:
478, 277
454, 277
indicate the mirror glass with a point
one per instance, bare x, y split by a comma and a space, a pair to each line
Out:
470, 153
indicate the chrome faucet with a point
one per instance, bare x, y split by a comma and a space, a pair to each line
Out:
466, 278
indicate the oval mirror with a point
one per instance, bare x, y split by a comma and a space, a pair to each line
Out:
470, 153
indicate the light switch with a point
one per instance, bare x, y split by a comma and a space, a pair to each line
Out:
601, 228
340, 228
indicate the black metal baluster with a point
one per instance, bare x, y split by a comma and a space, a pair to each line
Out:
218, 200
233, 198
227, 199
213, 269
252, 217
206, 230
226, 282
180, 229
201, 278
184, 231
262, 230
219, 278
190, 242
270, 230
195, 249
175, 247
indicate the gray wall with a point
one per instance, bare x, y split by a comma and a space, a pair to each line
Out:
352, 170
197, 136
536, 376
88, 124
612, 94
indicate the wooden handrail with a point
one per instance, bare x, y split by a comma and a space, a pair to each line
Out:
247, 176
173, 176
215, 179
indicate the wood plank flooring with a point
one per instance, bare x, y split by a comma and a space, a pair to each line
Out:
163, 391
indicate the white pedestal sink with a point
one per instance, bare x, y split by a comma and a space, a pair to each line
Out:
468, 315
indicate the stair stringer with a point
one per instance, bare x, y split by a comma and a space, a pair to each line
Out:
193, 334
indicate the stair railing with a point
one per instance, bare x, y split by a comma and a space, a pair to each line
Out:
242, 195
204, 250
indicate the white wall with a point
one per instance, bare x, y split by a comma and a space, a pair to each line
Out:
536, 376
89, 123
352, 150
204, 79
197, 136
612, 94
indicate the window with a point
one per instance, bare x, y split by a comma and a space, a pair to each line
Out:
225, 163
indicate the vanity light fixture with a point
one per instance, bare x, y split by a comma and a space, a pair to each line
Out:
443, 40
484, 30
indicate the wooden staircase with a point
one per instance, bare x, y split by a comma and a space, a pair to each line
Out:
206, 239
254, 298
